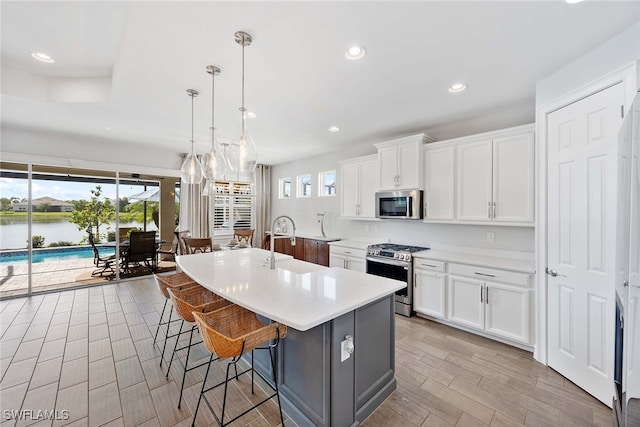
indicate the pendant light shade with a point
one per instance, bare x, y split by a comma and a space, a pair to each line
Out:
191, 171
209, 159
243, 155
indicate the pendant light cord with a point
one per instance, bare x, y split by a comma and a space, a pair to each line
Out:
192, 140
213, 106
242, 109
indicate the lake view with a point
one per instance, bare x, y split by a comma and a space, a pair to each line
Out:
13, 230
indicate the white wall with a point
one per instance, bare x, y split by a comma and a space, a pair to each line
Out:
100, 154
303, 212
616, 53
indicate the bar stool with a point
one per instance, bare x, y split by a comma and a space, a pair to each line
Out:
229, 333
164, 282
187, 302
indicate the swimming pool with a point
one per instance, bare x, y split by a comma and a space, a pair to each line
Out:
54, 254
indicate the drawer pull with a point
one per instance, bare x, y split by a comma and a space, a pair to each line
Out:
429, 265
484, 274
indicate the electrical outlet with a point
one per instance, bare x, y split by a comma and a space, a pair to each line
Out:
491, 236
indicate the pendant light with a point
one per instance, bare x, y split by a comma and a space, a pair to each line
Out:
209, 159
191, 171
243, 155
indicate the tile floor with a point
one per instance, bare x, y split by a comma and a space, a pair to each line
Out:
90, 352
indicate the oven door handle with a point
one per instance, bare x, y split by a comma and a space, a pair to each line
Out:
389, 262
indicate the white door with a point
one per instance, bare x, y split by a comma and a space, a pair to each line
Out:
466, 301
429, 293
582, 139
388, 167
513, 178
349, 190
409, 176
439, 186
367, 195
507, 311
474, 161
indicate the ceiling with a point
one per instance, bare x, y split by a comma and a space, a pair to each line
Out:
122, 68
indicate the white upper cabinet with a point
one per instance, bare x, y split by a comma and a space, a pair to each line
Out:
358, 187
400, 163
513, 186
439, 188
474, 181
486, 178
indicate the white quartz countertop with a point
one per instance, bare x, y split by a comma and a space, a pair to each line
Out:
504, 263
298, 294
354, 244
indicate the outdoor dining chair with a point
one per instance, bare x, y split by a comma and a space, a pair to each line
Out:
142, 249
104, 264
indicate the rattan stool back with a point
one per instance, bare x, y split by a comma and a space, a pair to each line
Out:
234, 330
195, 299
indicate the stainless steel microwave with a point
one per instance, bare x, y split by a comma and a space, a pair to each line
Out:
399, 204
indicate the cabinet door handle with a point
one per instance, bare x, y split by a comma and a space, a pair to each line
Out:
494, 210
425, 210
489, 209
484, 274
482, 294
347, 252
415, 280
486, 295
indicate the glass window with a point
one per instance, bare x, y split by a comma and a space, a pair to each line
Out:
284, 186
304, 185
327, 183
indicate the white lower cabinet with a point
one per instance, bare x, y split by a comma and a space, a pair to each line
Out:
466, 304
430, 288
496, 302
347, 258
507, 311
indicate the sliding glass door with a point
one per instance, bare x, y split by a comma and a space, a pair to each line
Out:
70, 227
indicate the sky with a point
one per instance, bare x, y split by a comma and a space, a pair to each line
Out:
62, 190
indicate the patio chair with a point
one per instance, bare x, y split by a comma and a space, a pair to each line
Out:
175, 247
181, 236
142, 249
105, 263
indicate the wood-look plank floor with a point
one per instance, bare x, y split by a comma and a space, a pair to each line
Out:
90, 352
448, 377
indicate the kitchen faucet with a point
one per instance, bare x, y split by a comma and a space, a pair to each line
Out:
272, 259
321, 221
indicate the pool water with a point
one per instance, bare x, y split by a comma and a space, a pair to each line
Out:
53, 254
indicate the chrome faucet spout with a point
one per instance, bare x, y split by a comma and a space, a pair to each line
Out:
272, 258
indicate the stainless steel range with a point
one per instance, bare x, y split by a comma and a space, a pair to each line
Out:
395, 262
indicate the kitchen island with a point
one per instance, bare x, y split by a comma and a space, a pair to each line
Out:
320, 383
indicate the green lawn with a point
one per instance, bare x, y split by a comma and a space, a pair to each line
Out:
56, 215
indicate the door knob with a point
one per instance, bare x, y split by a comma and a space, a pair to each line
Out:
553, 273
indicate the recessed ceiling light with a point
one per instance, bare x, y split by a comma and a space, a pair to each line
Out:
457, 87
573, 1
355, 52
43, 57
334, 129
251, 114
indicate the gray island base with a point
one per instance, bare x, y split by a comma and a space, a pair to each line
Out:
316, 387
327, 311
